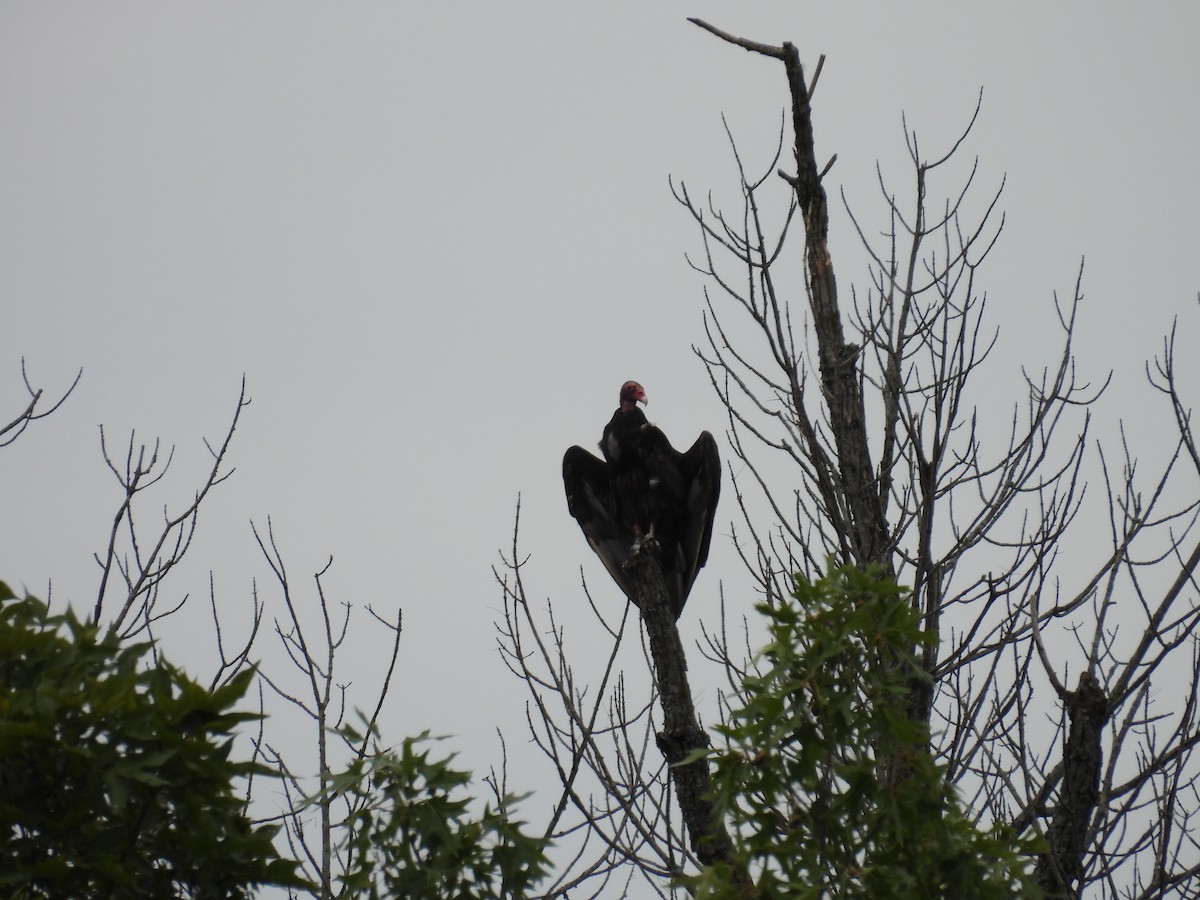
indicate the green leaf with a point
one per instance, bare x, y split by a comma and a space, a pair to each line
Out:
411, 832
801, 777
115, 778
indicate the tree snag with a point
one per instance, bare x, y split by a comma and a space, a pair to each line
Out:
869, 540
1060, 867
681, 733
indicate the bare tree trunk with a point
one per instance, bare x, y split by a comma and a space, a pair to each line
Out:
860, 496
681, 734
1060, 867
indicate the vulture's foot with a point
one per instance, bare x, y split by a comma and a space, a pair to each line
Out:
645, 541
641, 542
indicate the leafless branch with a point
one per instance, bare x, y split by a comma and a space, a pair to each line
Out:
31, 413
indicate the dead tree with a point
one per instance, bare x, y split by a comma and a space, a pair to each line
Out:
136, 560
615, 813
862, 432
681, 736
313, 815
905, 473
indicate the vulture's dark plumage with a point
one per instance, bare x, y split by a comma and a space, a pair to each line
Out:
644, 489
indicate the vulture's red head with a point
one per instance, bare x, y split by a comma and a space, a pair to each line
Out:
632, 394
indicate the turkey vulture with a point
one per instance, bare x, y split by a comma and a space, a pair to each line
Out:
645, 490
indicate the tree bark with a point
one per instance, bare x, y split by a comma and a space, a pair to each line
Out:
1060, 867
867, 532
838, 359
681, 734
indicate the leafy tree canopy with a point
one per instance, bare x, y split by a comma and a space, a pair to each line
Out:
411, 833
116, 777
828, 783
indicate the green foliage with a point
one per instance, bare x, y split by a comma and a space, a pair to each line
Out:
115, 776
806, 780
411, 833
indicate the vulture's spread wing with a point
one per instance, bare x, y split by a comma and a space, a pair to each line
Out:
701, 467
590, 501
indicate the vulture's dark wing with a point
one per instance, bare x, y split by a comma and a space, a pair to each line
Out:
590, 501
701, 467
677, 492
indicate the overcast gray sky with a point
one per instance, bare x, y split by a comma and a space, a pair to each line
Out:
437, 237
